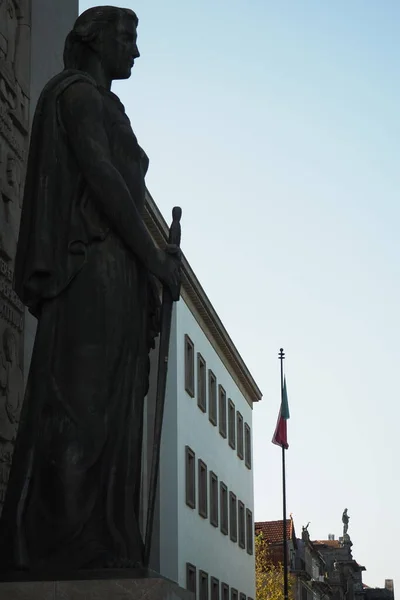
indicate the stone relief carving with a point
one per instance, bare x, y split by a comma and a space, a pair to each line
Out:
11, 375
8, 30
14, 129
11, 395
14, 115
15, 39
11, 308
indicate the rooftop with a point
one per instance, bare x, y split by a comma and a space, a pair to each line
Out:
327, 543
273, 530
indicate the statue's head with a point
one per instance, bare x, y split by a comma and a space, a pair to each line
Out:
110, 33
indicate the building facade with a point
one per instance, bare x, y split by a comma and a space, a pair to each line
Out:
310, 568
344, 574
205, 511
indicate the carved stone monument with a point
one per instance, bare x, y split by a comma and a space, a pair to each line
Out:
14, 133
85, 265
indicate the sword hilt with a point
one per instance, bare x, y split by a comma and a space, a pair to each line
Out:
175, 229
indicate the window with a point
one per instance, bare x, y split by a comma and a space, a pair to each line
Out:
247, 446
232, 517
224, 591
304, 594
242, 525
203, 500
214, 589
242, 596
231, 422
239, 427
249, 531
212, 397
189, 366
213, 499
190, 477
191, 578
223, 500
222, 410
234, 594
203, 585
201, 383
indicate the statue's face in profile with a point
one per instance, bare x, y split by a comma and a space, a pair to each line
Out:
120, 49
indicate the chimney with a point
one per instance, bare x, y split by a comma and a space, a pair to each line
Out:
331, 536
389, 585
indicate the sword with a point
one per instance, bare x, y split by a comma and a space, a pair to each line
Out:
166, 316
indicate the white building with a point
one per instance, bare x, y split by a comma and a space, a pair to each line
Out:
204, 524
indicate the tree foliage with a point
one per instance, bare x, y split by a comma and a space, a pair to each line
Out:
269, 575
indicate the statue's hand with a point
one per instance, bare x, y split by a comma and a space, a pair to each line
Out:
167, 269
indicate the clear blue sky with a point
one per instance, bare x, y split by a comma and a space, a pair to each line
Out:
275, 125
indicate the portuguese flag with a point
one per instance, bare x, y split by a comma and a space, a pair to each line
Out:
280, 435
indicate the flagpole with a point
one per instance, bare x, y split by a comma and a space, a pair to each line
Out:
285, 544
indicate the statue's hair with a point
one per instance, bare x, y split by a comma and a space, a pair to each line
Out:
88, 27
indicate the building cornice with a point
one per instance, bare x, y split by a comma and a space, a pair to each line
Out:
203, 311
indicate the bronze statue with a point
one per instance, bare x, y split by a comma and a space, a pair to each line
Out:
84, 267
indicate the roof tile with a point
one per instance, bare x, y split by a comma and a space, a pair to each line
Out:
273, 530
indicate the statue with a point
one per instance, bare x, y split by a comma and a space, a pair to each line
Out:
336, 565
86, 267
345, 521
305, 535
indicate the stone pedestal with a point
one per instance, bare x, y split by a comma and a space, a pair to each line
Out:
152, 588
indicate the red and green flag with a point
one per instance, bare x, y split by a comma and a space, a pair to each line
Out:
280, 435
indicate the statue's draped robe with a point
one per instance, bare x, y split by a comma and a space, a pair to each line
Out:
73, 494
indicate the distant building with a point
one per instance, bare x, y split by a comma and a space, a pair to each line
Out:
344, 574
204, 523
385, 593
306, 563
324, 569
272, 532
311, 570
